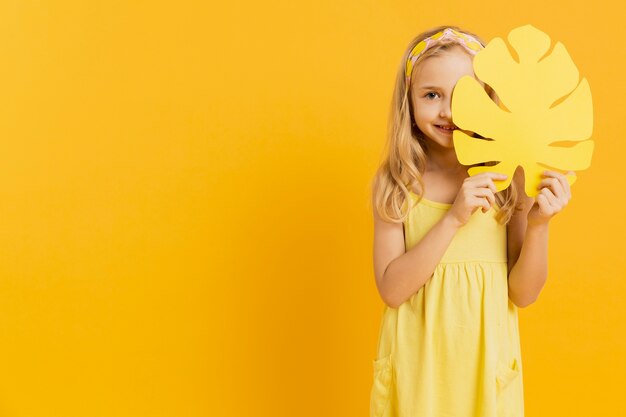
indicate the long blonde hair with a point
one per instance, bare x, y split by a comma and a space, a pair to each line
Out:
404, 159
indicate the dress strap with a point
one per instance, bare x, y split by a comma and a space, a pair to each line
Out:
392, 354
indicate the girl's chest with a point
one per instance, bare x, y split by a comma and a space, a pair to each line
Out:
441, 187
482, 238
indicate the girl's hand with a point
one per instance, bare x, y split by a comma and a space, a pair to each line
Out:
554, 195
476, 192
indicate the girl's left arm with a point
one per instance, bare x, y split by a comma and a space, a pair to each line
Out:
527, 235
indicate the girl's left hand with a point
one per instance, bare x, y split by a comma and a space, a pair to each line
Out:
554, 195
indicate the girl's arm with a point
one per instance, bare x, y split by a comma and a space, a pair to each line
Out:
527, 235
528, 275
401, 274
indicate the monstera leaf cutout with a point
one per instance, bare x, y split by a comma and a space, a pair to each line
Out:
542, 103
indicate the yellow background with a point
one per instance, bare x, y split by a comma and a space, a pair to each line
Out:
185, 220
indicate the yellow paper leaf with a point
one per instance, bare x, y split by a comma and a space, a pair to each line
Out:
528, 133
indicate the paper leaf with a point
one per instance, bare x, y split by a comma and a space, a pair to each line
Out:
546, 104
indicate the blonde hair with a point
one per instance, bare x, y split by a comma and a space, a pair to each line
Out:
404, 159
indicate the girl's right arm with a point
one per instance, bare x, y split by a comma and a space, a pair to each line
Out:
401, 274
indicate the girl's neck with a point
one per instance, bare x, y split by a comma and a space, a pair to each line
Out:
444, 161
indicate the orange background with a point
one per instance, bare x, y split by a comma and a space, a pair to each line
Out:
186, 227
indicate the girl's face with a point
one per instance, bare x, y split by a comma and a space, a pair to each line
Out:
431, 92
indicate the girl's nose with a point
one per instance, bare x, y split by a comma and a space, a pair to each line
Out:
445, 110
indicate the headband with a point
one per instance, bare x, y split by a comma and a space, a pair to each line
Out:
471, 44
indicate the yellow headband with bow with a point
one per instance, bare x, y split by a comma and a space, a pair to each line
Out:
471, 44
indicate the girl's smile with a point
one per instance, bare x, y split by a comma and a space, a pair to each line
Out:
446, 129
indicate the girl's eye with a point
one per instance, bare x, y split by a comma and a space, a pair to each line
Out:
431, 95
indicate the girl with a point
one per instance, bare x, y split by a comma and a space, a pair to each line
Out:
452, 277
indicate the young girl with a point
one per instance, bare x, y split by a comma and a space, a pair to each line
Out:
452, 276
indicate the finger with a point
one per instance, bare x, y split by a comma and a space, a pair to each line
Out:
481, 202
486, 193
495, 176
555, 186
544, 202
553, 201
480, 181
562, 179
544, 206
549, 172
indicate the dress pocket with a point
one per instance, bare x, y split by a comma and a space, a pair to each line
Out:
381, 387
505, 373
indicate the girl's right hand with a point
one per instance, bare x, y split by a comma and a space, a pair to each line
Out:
476, 192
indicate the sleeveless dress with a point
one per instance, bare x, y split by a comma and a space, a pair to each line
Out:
453, 348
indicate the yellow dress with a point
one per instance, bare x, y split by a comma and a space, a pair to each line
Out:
453, 348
